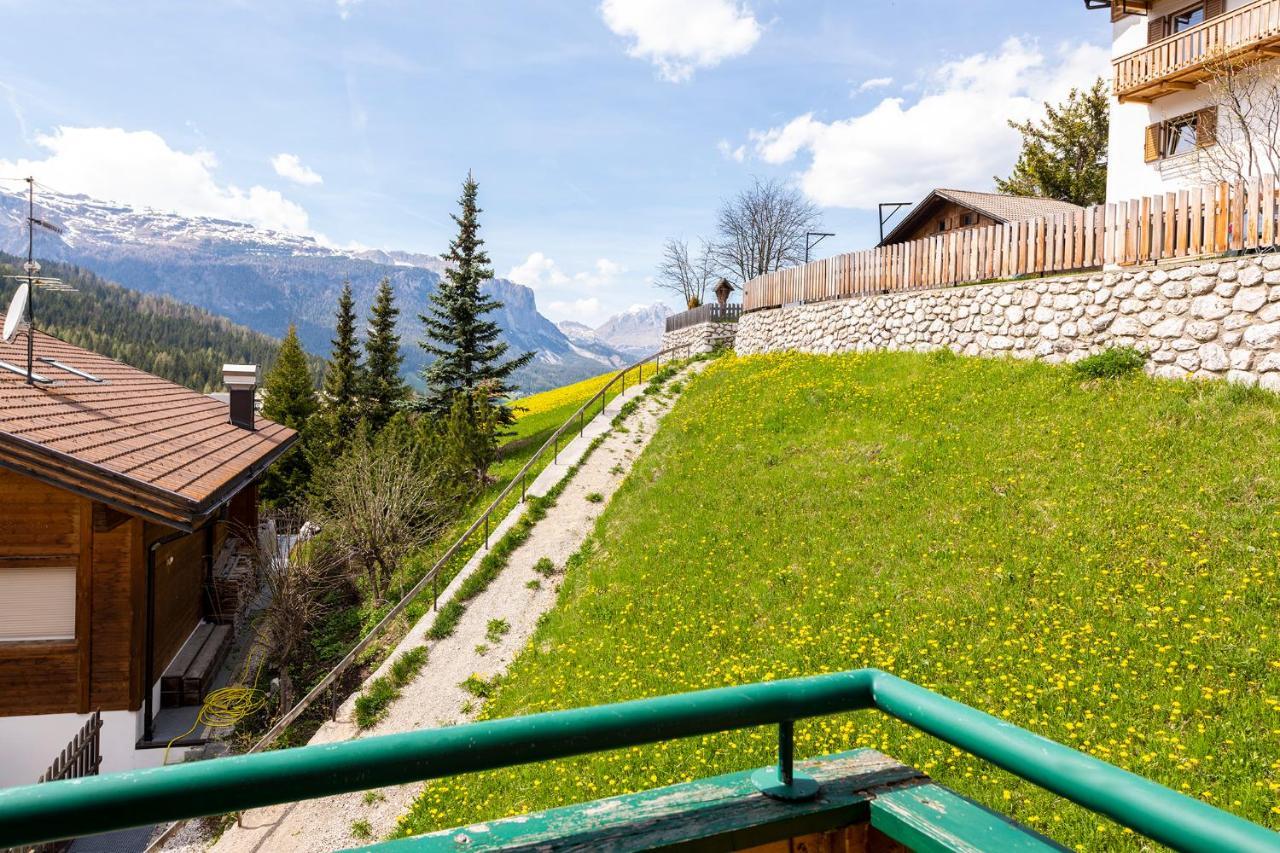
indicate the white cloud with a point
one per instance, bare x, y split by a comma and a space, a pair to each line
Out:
345, 7
728, 152
290, 166
954, 135
875, 83
139, 168
542, 273
680, 36
588, 311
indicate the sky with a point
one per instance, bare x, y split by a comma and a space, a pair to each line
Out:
596, 130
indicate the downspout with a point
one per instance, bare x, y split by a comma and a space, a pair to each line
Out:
149, 656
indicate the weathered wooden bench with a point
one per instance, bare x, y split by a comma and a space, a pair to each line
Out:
187, 678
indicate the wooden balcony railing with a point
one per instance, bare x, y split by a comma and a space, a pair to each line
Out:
1178, 62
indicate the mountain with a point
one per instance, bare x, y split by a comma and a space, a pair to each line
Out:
157, 334
266, 279
637, 331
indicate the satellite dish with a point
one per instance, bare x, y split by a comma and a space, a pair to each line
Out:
17, 309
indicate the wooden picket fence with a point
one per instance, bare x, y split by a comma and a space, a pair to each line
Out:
1203, 221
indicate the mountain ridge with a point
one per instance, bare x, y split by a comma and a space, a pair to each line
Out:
266, 279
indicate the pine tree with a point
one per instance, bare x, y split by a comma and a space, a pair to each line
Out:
384, 387
465, 345
342, 379
1064, 155
289, 398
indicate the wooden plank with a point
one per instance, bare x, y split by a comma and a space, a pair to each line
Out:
1195, 210
720, 813
196, 680
1180, 225
171, 680
1144, 235
1108, 234
932, 818
1252, 206
1222, 240
1269, 210
1090, 230
1170, 224
1236, 227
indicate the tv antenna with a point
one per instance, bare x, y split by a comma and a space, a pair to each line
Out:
24, 298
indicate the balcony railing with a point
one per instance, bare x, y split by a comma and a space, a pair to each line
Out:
47, 812
1178, 62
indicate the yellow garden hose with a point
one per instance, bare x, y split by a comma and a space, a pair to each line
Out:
228, 705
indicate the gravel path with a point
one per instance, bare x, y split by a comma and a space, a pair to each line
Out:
435, 698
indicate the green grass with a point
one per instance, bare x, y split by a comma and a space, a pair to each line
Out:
372, 704
1093, 560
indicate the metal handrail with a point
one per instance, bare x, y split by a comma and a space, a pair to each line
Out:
37, 813
431, 576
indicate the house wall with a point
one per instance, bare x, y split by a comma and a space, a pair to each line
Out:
32, 742
952, 214
179, 590
1208, 319
1128, 175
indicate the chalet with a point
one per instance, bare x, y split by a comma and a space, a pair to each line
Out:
119, 493
943, 210
1165, 113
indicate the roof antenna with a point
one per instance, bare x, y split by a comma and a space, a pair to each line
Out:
32, 280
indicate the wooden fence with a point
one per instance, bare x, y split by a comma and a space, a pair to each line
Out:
710, 313
1202, 221
82, 756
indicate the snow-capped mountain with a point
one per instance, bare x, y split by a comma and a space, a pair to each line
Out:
268, 279
637, 331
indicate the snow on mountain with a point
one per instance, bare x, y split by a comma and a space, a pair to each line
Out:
269, 279
637, 331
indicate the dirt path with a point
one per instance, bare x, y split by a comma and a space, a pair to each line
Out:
436, 698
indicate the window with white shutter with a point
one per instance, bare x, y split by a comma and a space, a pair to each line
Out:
37, 603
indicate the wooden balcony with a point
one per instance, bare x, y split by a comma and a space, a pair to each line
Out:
1179, 62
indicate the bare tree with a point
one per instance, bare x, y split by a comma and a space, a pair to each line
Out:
376, 507
762, 229
688, 276
1240, 139
298, 578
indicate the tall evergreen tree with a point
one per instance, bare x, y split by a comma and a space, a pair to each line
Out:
384, 386
289, 398
342, 379
1064, 155
465, 345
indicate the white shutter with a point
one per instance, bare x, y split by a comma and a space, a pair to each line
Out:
38, 603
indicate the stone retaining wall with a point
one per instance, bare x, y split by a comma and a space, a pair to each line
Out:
1218, 319
702, 338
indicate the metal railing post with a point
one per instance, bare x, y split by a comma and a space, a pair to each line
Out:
486, 531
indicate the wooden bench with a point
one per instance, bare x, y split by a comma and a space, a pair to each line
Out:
187, 678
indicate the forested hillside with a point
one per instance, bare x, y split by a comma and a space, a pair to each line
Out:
158, 334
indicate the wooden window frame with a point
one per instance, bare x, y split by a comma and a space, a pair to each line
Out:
1203, 123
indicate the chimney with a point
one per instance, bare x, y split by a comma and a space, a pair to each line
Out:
242, 383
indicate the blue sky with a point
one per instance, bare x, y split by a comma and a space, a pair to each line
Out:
596, 129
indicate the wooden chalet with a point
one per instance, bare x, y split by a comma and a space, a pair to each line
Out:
118, 493
943, 211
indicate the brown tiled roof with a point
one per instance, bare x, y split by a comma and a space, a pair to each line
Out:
132, 440
1002, 208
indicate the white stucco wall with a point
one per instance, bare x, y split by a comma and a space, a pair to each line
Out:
1128, 176
29, 744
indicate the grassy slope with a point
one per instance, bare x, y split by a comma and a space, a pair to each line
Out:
1094, 562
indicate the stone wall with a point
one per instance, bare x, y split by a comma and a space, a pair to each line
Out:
1204, 319
702, 338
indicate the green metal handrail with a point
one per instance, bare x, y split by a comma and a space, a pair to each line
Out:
38, 813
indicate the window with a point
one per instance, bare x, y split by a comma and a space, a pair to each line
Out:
1181, 134
1187, 19
37, 603
966, 220
942, 225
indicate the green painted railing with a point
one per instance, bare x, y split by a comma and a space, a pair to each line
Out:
54, 810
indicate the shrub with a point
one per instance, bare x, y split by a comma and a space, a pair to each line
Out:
545, 567
1110, 364
361, 830
595, 498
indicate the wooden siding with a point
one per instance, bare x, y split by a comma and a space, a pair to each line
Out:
1201, 221
179, 591
118, 611
951, 214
